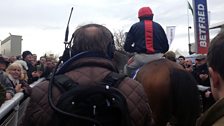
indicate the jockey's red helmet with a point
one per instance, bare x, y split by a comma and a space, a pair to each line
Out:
144, 12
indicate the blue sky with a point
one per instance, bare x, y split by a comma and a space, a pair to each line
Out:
42, 23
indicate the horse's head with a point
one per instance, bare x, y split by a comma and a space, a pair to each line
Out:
172, 92
120, 59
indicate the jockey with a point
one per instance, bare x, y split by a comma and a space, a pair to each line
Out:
146, 39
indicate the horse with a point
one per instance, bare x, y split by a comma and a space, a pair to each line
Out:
172, 93
120, 59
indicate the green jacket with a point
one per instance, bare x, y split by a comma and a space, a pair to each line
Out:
214, 116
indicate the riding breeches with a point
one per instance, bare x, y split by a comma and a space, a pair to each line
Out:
138, 60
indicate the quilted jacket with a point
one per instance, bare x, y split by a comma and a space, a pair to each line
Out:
39, 112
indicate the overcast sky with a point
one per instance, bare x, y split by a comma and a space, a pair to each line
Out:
42, 23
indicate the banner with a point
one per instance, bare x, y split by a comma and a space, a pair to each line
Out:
201, 28
170, 33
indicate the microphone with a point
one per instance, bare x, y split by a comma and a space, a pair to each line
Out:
67, 52
67, 29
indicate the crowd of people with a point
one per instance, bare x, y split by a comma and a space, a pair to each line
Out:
197, 67
167, 90
18, 72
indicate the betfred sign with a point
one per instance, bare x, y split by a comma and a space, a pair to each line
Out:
201, 26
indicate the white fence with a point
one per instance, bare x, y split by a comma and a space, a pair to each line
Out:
12, 110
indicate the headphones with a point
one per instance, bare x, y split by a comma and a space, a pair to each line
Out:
69, 52
111, 47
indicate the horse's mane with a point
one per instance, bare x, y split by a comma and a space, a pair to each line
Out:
120, 59
185, 97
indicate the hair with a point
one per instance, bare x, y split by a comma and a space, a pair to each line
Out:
26, 53
4, 61
12, 59
172, 92
23, 75
215, 57
93, 37
181, 57
14, 65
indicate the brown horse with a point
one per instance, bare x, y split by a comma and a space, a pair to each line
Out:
172, 93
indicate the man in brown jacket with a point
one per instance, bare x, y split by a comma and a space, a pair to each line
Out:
89, 67
214, 116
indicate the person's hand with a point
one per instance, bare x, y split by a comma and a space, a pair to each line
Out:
203, 76
190, 69
18, 88
208, 94
8, 96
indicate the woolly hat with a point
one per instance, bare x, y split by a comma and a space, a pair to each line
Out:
25, 53
144, 12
